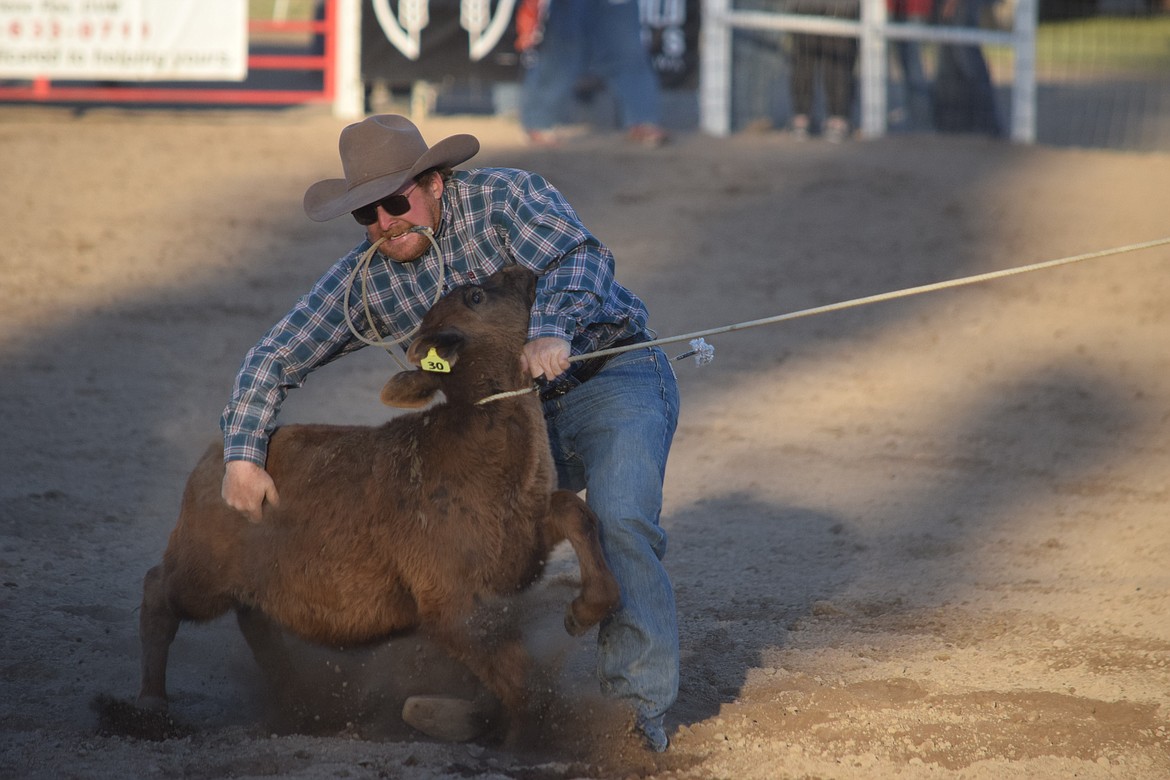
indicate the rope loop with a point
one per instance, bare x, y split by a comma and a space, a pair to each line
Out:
361, 269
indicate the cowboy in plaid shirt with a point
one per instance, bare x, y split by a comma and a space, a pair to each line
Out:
610, 421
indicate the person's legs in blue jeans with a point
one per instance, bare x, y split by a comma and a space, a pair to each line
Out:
914, 79
621, 59
611, 436
757, 66
554, 67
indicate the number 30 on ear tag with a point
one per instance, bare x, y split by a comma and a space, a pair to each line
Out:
432, 362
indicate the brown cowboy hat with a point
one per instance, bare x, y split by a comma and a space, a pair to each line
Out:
379, 154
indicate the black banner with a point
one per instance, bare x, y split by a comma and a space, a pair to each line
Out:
670, 27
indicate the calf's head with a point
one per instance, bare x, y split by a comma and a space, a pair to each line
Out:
478, 331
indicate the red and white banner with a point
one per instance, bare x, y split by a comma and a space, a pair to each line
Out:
129, 40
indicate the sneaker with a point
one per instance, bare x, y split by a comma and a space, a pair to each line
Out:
836, 130
547, 139
647, 135
445, 717
799, 127
653, 736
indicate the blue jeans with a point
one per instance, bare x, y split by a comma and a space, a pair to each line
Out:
964, 97
603, 37
610, 437
757, 67
914, 80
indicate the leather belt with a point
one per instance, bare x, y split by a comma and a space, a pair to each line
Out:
584, 370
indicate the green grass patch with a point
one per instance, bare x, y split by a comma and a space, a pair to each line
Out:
1109, 42
1104, 45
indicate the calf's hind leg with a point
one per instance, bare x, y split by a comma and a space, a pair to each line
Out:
569, 517
266, 640
157, 626
169, 597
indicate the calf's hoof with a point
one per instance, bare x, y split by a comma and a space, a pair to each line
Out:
445, 717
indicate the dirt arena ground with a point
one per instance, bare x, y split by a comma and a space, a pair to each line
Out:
920, 539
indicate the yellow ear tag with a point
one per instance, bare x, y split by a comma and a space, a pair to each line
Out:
432, 362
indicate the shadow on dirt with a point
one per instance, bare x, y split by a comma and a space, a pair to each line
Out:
993, 462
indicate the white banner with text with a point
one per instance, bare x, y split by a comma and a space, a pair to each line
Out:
124, 40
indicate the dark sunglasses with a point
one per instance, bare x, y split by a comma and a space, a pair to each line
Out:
395, 206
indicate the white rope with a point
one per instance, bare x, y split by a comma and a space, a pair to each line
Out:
506, 394
887, 296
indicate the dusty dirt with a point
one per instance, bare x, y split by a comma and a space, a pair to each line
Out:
923, 538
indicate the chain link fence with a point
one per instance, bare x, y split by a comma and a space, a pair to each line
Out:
1103, 74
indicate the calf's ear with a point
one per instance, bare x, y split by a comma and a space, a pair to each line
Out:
410, 389
445, 345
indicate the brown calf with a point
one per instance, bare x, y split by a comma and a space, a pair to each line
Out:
406, 526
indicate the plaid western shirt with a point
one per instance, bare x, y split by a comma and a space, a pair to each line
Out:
490, 217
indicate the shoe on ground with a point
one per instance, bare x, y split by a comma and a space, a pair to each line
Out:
799, 127
647, 135
547, 139
836, 130
445, 718
653, 736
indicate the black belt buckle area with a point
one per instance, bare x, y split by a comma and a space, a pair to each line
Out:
557, 387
